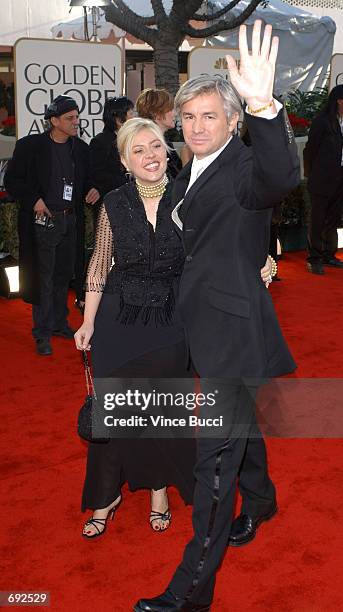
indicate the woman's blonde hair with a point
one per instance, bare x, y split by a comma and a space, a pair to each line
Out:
130, 129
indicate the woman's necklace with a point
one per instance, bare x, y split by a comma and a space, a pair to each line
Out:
152, 191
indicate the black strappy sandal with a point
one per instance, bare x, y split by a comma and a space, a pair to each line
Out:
102, 522
160, 516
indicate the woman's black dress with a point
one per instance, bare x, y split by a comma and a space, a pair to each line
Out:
137, 334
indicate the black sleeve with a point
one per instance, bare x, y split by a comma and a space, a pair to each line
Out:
107, 172
88, 181
315, 136
270, 169
174, 161
17, 180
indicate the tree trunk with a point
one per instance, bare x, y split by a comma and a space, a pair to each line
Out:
168, 32
166, 62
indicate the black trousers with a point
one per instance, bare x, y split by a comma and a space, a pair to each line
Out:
326, 213
56, 247
219, 462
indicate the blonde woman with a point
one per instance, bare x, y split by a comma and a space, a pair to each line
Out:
134, 332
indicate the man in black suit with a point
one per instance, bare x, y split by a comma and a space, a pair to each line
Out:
49, 175
224, 200
323, 160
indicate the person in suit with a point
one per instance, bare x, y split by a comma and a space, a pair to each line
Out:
223, 204
49, 175
107, 171
323, 161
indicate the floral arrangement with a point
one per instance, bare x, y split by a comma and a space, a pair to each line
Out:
9, 126
303, 106
300, 125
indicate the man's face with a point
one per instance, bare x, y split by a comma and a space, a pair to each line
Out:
205, 124
68, 123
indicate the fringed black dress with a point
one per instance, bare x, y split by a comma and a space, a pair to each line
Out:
137, 333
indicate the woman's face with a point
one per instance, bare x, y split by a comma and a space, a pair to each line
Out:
167, 121
340, 107
148, 158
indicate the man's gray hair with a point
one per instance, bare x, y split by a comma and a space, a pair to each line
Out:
205, 84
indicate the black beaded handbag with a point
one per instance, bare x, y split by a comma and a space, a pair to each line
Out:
86, 416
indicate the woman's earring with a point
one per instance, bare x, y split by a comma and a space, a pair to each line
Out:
129, 176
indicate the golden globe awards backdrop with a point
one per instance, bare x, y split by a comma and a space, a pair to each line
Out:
210, 60
88, 72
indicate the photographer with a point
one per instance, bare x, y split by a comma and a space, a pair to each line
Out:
49, 176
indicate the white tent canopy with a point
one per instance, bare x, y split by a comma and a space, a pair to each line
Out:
29, 18
107, 31
306, 43
75, 28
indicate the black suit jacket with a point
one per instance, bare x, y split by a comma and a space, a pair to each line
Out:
230, 323
107, 171
323, 155
27, 179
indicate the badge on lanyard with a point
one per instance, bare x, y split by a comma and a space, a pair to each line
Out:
68, 191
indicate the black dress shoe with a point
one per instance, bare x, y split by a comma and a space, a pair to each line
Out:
334, 262
167, 602
43, 347
315, 267
66, 332
244, 527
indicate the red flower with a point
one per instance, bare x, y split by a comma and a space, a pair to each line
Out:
298, 122
9, 122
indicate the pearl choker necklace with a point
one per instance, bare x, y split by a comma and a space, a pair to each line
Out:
152, 191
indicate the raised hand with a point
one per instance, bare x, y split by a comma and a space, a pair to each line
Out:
254, 80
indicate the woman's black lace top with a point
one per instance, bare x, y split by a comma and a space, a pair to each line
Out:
130, 259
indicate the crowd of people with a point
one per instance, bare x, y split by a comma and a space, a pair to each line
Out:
176, 285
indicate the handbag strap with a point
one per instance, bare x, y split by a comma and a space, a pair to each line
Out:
88, 375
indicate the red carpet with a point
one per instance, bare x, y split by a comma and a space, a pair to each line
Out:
295, 562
